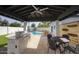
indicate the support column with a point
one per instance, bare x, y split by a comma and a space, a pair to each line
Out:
7, 29
57, 28
25, 24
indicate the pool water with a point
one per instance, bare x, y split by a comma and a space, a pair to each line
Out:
36, 33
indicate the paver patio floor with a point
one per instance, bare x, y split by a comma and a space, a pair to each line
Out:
36, 45
33, 41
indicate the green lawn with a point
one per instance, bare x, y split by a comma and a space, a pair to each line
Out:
3, 40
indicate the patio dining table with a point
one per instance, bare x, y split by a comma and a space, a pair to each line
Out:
64, 40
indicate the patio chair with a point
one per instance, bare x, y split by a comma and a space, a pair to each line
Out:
52, 45
52, 41
70, 49
77, 48
59, 43
65, 45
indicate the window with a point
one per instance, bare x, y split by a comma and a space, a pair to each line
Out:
51, 28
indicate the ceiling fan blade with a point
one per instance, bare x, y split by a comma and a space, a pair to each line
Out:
43, 9
35, 7
33, 12
39, 12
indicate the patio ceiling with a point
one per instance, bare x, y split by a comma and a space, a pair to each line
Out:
25, 12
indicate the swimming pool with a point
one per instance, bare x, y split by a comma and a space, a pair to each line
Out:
36, 33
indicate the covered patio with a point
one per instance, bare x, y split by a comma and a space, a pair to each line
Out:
31, 13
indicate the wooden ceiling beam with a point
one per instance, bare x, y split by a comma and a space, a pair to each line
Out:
23, 8
13, 6
56, 10
25, 11
68, 11
9, 14
57, 7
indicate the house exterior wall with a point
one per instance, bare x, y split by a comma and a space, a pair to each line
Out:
54, 28
71, 28
72, 31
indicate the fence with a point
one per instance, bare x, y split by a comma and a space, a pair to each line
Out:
8, 30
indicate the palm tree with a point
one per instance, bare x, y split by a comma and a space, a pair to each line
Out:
44, 24
5, 22
15, 24
0, 21
34, 27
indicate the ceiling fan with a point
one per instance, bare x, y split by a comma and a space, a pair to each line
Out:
37, 10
